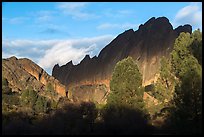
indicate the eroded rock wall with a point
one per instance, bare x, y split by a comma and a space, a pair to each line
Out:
147, 45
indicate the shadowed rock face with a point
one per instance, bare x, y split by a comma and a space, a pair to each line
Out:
147, 45
22, 73
94, 93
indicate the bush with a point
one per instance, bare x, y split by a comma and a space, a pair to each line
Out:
28, 97
32, 97
41, 105
49, 87
53, 104
5, 87
24, 97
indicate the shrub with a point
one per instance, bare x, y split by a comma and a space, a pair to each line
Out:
5, 87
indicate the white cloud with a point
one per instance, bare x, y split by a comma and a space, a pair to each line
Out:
76, 10
25, 42
72, 5
74, 49
118, 13
44, 16
18, 20
117, 26
62, 53
47, 53
191, 14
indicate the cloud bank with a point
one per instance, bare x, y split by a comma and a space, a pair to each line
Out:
47, 53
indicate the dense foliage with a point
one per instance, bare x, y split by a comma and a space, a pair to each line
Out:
186, 111
180, 83
126, 85
29, 97
125, 106
166, 82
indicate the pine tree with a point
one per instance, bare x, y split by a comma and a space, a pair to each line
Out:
126, 85
125, 106
196, 46
165, 84
185, 115
180, 52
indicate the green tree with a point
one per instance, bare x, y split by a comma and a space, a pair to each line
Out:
180, 52
5, 86
165, 84
126, 85
185, 115
41, 105
49, 87
196, 46
29, 97
187, 110
32, 97
24, 97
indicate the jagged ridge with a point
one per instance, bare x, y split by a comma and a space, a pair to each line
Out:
147, 45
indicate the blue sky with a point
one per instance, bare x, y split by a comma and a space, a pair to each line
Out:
54, 32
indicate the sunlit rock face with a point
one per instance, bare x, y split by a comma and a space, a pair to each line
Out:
147, 45
22, 73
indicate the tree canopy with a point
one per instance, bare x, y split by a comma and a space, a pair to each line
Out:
126, 85
187, 102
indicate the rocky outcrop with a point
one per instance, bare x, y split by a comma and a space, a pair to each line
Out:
95, 93
22, 73
147, 45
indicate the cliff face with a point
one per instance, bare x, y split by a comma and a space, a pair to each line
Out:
147, 45
22, 73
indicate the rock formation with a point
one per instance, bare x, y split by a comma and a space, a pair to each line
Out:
22, 73
147, 45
